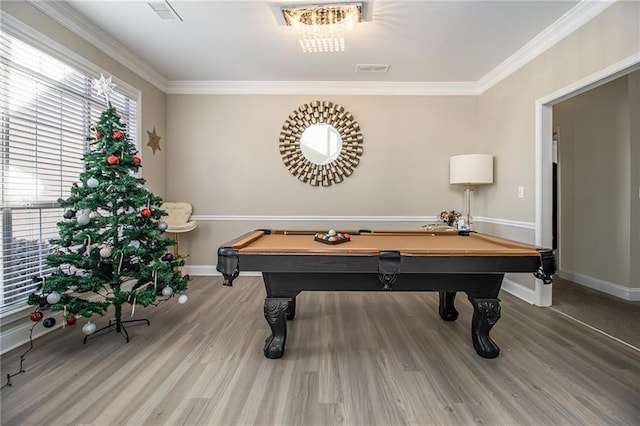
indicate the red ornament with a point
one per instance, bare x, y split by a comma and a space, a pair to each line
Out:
37, 316
137, 160
113, 160
146, 213
71, 320
99, 134
117, 135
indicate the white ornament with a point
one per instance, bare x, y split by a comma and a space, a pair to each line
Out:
53, 298
105, 252
84, 219
167, 291
88, 328
183, 299
92, 182
134, 244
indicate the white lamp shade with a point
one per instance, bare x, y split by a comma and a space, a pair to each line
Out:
471, 169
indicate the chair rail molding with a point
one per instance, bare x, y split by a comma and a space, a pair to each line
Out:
304, 218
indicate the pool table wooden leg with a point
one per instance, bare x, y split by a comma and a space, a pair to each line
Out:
446, 308
275, 312
291, 309
486, 313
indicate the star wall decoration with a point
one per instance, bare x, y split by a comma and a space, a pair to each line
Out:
104, 86
154, 140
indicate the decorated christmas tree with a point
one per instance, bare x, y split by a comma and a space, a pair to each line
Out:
111, 250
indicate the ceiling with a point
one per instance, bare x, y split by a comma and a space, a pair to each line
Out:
430, 42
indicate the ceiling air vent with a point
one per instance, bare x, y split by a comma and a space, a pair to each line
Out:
373, 68
164, 10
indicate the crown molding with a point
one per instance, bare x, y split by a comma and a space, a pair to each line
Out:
322, 88
571, 21
575, 18
68, 17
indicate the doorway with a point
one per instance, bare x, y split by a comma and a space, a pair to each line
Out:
544, 212
610, 315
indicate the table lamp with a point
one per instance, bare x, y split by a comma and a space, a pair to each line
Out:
470, 169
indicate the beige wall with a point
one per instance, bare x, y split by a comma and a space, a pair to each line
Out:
594, 149
226, 161
153, 99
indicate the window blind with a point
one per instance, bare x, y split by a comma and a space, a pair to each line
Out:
47, 109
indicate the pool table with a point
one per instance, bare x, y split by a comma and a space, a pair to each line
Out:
446, 262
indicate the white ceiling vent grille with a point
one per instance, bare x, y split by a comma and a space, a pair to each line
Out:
164, 10
378, 68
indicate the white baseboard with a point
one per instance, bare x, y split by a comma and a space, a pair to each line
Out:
200, 270
17, 333
519, 291
626, 293
210, 270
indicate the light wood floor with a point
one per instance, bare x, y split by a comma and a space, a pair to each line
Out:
617, 317
351, 358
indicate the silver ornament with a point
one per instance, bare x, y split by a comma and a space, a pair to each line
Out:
167, 291
92, 182
183, 299
83, 219
88, 328
162, 226
53, 298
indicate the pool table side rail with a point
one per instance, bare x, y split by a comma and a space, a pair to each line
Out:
359, 246
327, 259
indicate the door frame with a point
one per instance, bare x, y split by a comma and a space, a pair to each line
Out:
544, 153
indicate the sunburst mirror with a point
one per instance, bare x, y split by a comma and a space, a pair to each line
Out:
321, 143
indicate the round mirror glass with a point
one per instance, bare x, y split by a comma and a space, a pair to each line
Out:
321, 143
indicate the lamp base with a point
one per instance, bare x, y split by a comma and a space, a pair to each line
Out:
468, 200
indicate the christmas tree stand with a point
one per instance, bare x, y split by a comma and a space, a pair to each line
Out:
118, 324
119, 327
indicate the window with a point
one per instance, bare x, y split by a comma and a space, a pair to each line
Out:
47, 108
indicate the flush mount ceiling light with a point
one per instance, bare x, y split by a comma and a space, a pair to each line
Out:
321, 27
